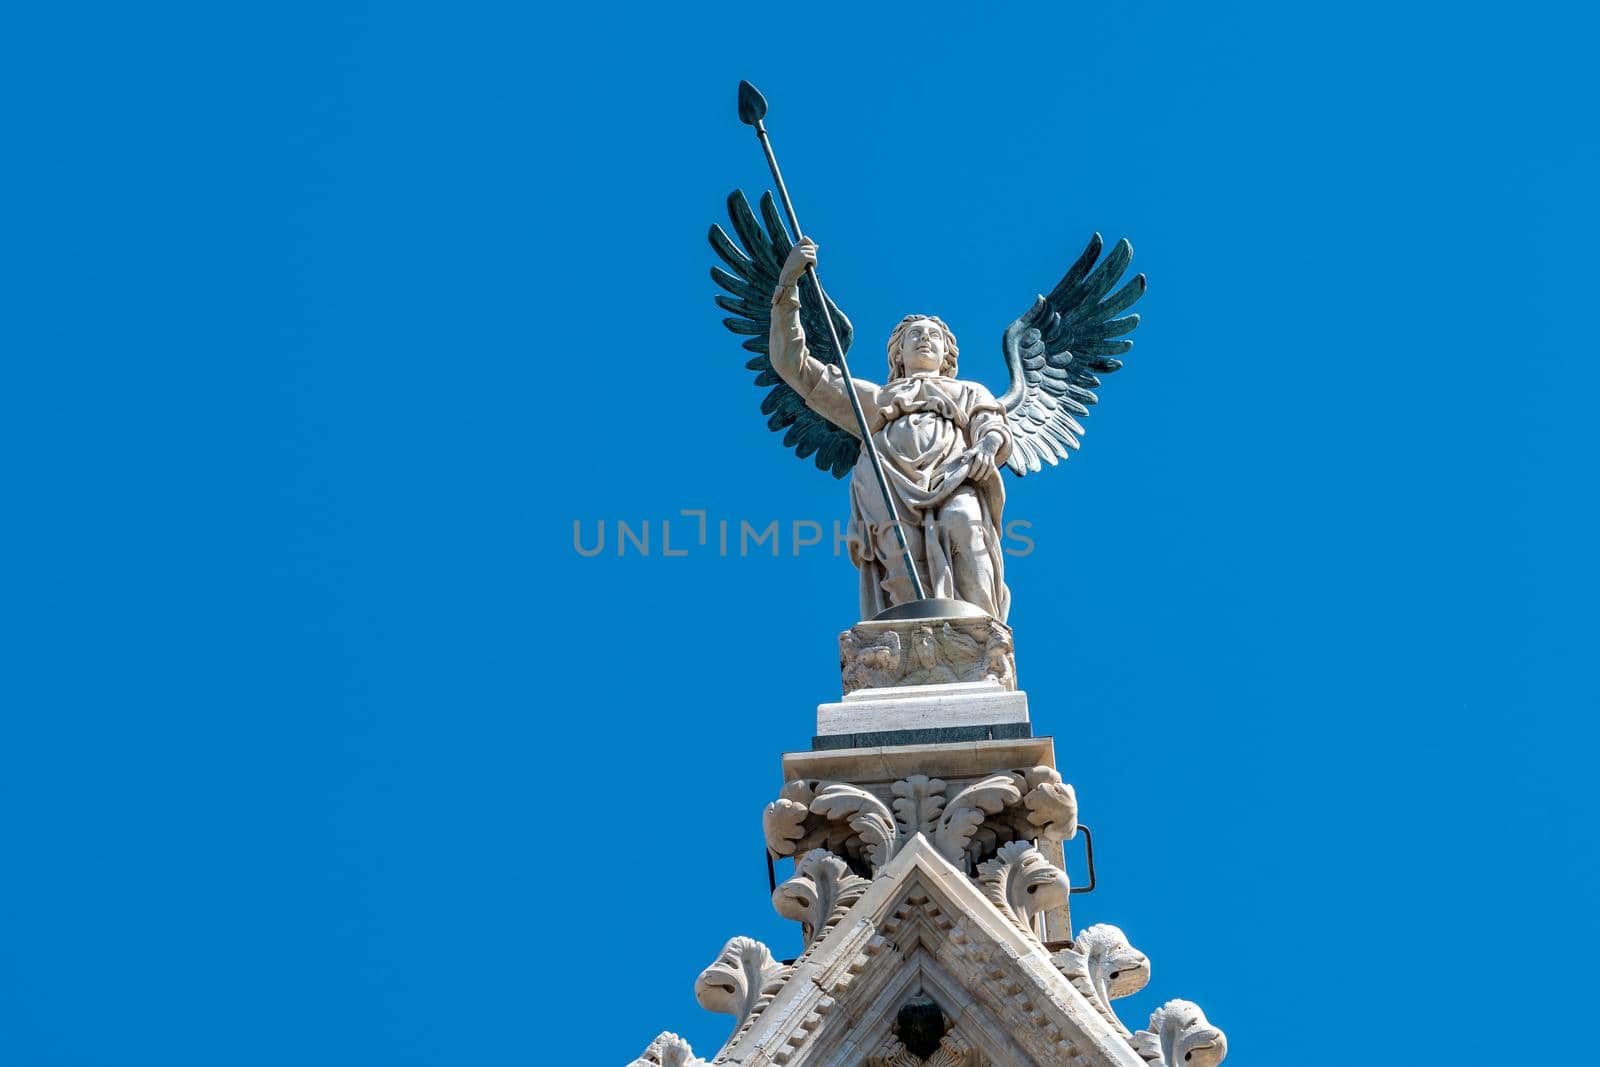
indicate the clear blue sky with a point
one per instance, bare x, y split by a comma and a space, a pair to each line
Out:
324, 322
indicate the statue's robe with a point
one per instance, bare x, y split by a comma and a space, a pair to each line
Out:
922, 427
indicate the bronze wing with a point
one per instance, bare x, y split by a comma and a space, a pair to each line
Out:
1057, 349
750, 281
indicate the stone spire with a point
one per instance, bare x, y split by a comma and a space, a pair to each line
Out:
926, 825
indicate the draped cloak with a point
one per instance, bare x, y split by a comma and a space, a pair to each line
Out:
922, 427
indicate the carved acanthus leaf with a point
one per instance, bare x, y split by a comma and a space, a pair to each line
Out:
1179, 1035
953, 1051
1022, 883
865, 814
818, 894
918, 802
893, 1054
743, 973
954, 833
668, 1050
858, 826
1103, 966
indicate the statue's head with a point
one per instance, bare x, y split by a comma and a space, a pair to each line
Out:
920, 346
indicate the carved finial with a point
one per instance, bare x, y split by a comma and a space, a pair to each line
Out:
1022, 883
734, 983
668, 1050
1180, 1036
1103, 966
820, 891
783, 822
1052, 804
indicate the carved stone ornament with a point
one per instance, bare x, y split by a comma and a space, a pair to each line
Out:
953, 1051
966, 827
875, 655
668, 1050
1179, 1035
819, 892
1022, 883
1103, 966
744, 972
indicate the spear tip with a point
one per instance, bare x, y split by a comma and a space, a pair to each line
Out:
752, 105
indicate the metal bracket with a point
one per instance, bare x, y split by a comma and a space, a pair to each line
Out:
1088, 848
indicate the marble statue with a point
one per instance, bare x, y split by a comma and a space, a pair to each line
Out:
925, 825
940, 441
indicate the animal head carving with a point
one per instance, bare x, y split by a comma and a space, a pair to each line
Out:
1179, 1035
668, 1050
1103, 966
733, 983
1022, 883
1115, 967
821, 888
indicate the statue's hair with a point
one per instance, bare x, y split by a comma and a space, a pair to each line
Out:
897, 369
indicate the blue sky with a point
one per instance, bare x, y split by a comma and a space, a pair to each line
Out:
326, 322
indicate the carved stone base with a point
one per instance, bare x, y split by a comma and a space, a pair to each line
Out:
880, 654
930, 891
877, 769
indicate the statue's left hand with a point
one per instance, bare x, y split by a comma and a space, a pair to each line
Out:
980, 458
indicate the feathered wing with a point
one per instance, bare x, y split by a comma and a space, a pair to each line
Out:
1056, 350
751, 279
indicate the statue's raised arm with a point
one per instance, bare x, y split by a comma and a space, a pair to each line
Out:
751, 282
820, 385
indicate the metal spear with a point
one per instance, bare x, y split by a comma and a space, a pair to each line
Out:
752, 109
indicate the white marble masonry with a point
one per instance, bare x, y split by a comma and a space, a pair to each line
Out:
923, 707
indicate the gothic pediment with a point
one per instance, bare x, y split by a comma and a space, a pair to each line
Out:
922, 926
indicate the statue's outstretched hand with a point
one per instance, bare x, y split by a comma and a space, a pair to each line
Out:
801, 256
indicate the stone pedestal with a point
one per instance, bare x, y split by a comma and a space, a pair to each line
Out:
922, 714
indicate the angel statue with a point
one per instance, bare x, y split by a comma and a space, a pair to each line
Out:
940, 441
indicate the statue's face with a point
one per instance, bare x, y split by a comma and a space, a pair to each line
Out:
923, 348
